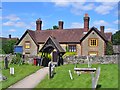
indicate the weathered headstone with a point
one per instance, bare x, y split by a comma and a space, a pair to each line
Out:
6, 63
51, 70
11, 70
70, 74
95, 79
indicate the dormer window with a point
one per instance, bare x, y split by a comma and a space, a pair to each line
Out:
27, 44
93, 42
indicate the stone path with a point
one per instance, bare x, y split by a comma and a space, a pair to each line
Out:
32, 80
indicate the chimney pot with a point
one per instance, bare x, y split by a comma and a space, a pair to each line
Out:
102, 29
86, 22
60, 23
38, 24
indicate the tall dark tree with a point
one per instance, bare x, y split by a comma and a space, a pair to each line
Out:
109, 48
8, 46
116, 38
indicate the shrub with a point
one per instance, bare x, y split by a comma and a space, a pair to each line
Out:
69, 54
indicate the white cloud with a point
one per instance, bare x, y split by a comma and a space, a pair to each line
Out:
20, 24
12, 30
0, 17
111, 30
105, 7
76, 25
106, 0
12, 17
100, 23
116, 22
9, 23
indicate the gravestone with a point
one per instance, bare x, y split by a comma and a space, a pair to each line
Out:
71, 77
2, 77
51, 70
95, 79
6, 63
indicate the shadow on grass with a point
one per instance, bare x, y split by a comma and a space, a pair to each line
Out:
98, 86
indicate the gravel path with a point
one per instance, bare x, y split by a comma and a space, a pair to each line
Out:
32, 80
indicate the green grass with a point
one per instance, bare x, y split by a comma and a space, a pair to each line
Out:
108, 78
20, 72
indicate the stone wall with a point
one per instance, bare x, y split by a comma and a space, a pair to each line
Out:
107, 59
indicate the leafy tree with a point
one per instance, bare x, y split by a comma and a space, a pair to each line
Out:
116, 38
109, 48
55, 27
8, 46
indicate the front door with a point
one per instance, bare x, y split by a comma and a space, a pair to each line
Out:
54, 55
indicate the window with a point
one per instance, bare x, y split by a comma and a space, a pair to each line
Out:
27, 44
72, 48
93, 42
93, 53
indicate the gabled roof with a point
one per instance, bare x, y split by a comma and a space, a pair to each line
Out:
51, 42
75, 35
97, 31
32, 35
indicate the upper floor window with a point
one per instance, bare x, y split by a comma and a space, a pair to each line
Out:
27, 44
72, 48
93, 42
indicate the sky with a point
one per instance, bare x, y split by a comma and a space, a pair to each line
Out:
17, 17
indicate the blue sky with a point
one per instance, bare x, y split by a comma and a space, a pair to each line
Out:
17, 17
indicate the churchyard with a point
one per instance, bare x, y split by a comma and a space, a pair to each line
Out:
8, 78
97, 74
108, 77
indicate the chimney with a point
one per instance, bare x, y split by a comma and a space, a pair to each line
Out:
102, 29
9, 35
86, 22
38, 24
60, 23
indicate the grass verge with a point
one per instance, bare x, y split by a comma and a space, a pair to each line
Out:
20, 72
108, 77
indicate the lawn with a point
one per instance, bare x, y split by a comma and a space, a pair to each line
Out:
20, 72
108, 77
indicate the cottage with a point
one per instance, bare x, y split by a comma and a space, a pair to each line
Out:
83, 41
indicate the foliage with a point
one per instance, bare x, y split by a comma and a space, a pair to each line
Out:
62, 78
17, 59
8, 46
67, 49
116, 38
55, 27
69, 54
109, 48
2, 51
20, 73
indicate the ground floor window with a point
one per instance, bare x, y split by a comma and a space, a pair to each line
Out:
93, 53
72, 48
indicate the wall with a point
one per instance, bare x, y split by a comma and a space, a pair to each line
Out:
86, 48
33, 46
107, 59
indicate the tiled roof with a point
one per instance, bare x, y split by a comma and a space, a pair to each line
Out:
64, 35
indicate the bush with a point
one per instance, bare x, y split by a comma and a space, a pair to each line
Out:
17, 59
69, 54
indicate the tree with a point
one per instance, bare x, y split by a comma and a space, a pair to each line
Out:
55, 27
8, 46
116, 38
109, 48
